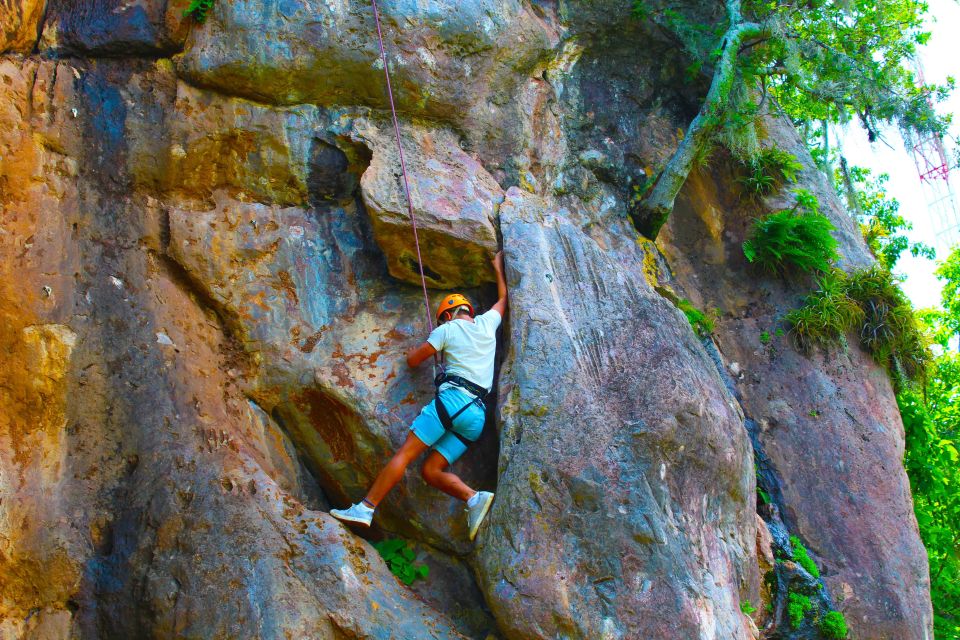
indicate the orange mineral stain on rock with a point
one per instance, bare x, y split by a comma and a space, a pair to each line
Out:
287, 286
333, 420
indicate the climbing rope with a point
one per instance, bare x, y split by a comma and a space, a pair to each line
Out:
403, 168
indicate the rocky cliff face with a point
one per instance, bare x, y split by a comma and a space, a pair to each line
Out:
208, 287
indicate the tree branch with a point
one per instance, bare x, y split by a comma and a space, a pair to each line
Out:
656, 207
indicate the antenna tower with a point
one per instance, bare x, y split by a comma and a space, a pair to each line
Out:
935, 182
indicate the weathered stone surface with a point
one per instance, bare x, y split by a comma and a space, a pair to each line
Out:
143, 494
114, 27
447, 58
252, 151
204, 344
765, 561
624, 508
828, 422
454, 200
39, 563
307, 295
20, 25
451, 589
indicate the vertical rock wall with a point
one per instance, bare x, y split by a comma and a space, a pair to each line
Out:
827, 422
206, 294
626, 476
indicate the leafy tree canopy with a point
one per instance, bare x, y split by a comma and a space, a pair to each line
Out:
931, 420
819, 60
949, 273
832, 60
933, 463
878, 214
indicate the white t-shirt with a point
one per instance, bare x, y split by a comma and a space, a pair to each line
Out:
469, 348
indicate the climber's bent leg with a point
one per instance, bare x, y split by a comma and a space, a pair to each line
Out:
435, 474
391, 474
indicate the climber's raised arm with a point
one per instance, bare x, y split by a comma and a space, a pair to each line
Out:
501, 304
418, 354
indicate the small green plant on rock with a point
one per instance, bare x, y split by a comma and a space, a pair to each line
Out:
767, 171
701, 323
797, 607
833, 626
198, 10
746, 608
801, 557
827, 314
764, 337
399, 557
890, 330
797, 238
870, 301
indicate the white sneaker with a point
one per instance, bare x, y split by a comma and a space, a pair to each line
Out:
478, 511
358, 513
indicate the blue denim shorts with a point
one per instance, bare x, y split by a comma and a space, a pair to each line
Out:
469, 424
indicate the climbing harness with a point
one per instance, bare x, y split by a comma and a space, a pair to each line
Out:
478, 392
475, 389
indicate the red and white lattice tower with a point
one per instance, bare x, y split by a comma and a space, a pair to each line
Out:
935, 183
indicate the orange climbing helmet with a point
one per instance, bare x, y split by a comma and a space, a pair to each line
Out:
453, 301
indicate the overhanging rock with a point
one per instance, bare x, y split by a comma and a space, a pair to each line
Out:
454, 198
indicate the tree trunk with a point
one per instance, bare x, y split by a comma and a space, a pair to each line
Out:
656, 207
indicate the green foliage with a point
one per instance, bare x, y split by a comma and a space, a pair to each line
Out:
746, 608
198, 10
949, 273
640, 10
399, 557
832, 60
833, 625
696, 37
797, 238
890, 330
937, 326
764, 337
701, 323
932, 462
767, 171
801, 557
881, 224
827, 61
931, 422
797, 607
870, 301
841, 59
827, 314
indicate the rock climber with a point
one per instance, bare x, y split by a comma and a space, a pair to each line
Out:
468, 345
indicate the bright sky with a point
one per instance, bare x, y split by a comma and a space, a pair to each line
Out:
939, 60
